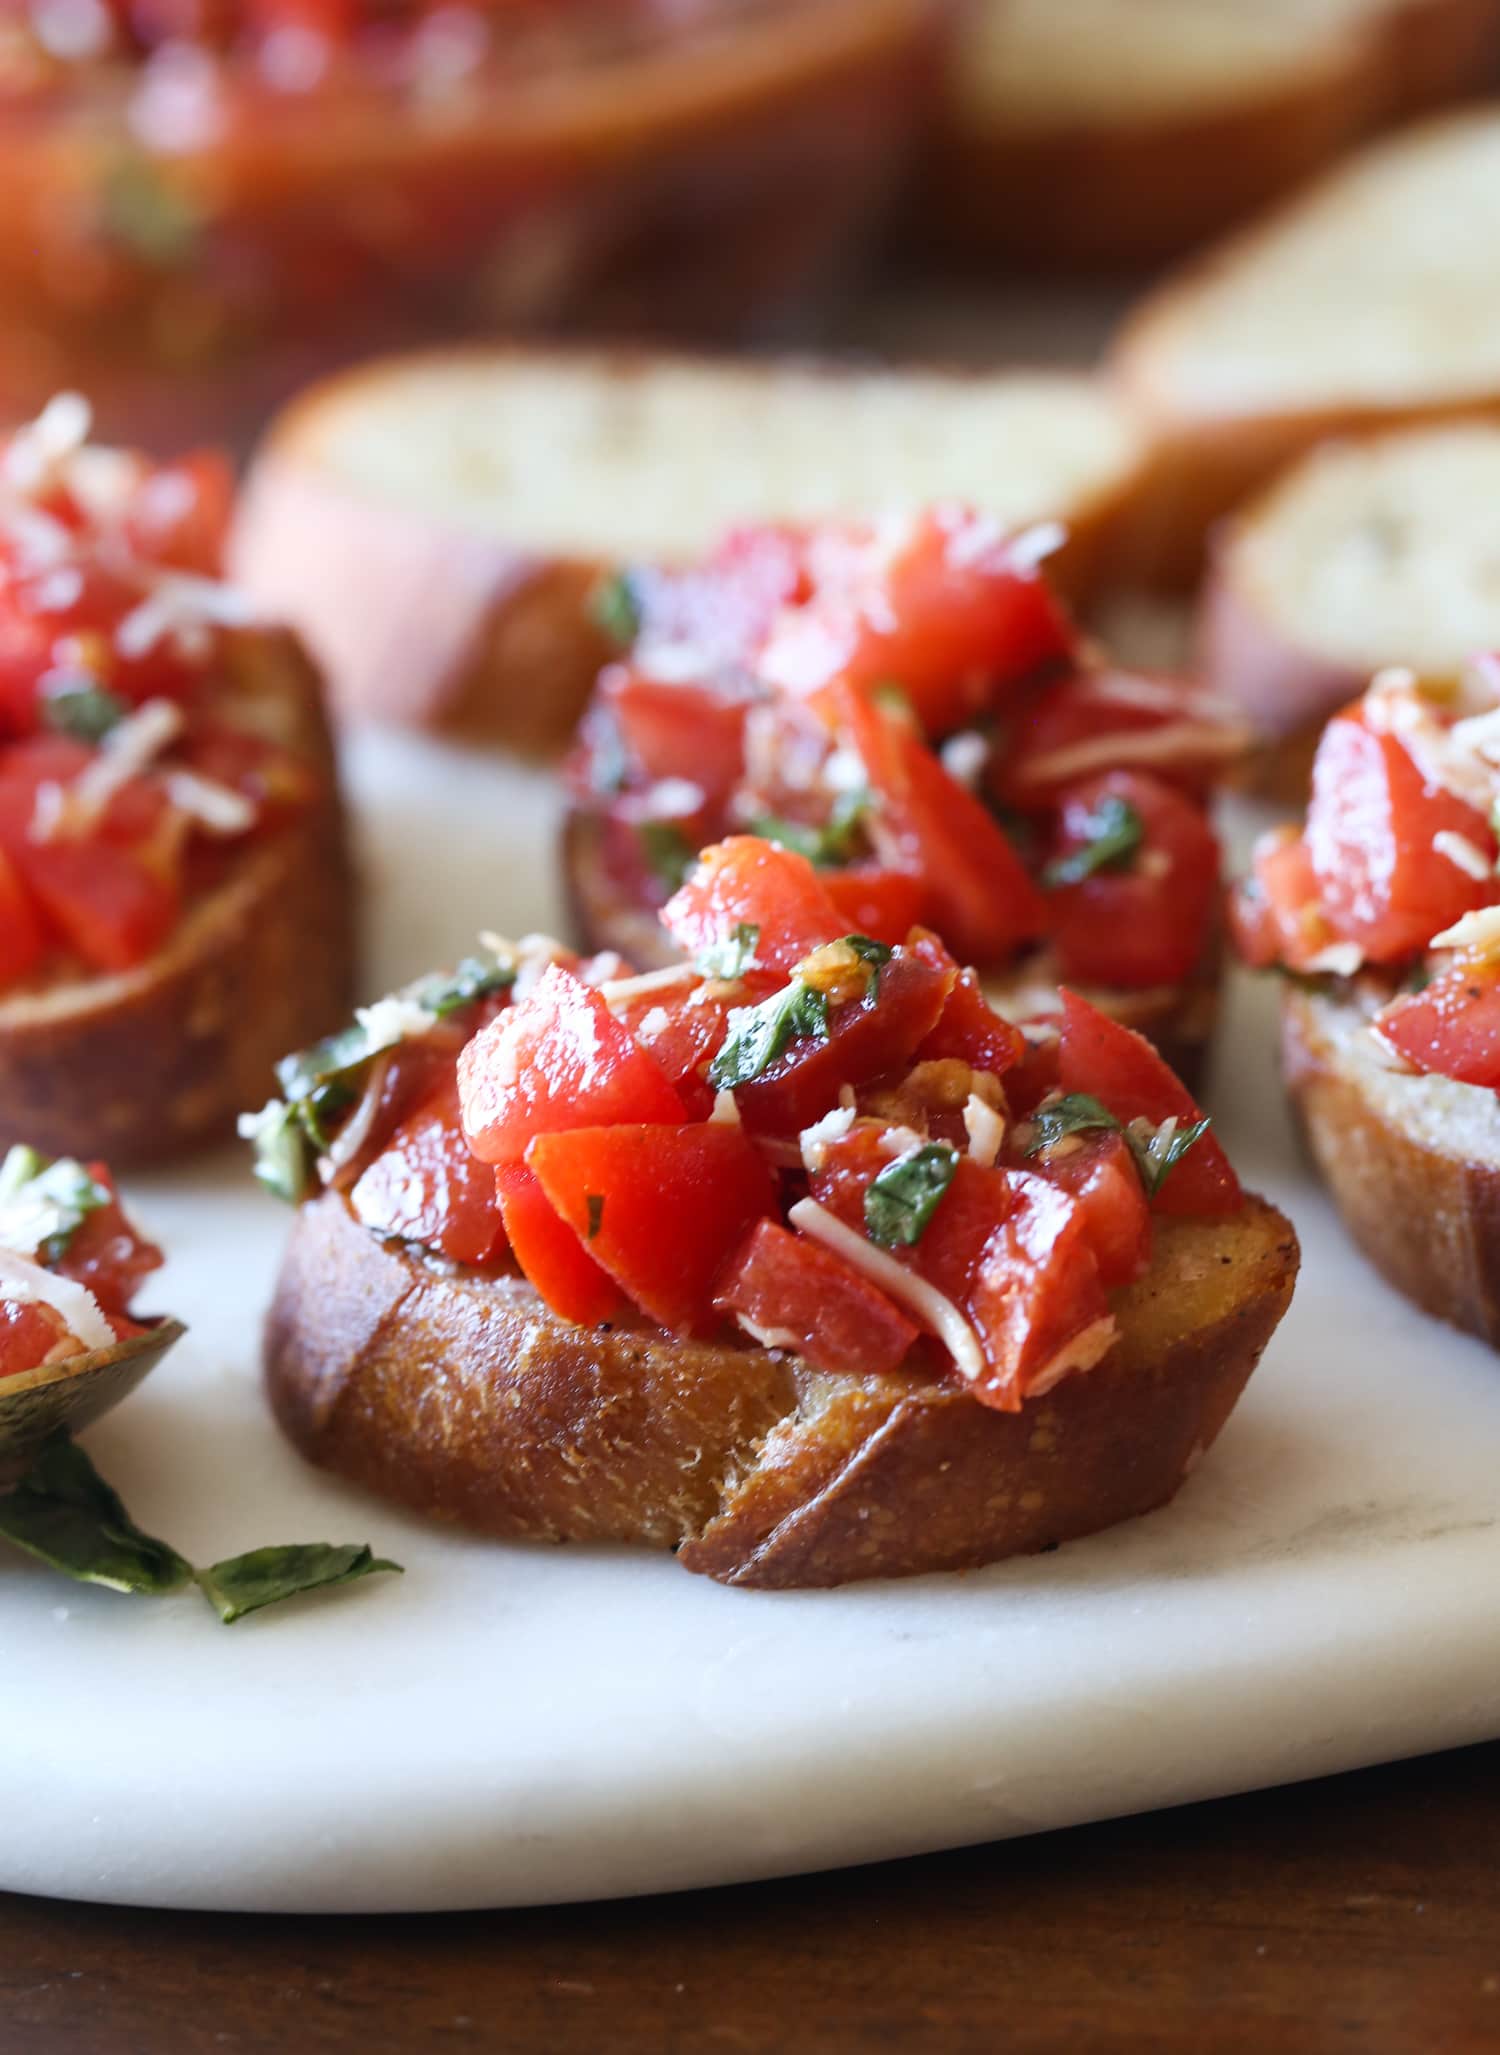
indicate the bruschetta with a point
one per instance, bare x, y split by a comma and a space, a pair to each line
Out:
1382, 913
795, 1257
907, 703
174, 890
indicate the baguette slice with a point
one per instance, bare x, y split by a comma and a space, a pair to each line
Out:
145, 1064
1371, 301
466, 1397
1412, 1162
434, 524
1382, 550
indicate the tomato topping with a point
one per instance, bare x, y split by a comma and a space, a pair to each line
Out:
1100, 1174
29, 1332
1141, 919
970, 1031
745, 880
428, 1186
1371, 828
685, 731
660, 1208
794, 1293
116, 912
1037, 1072
556, 1059
21, 939
682, 1031
884, 904
1121, 1069
107, 1253
1099, 720
1452, 1028
550, 1253
1275, 915
180, 513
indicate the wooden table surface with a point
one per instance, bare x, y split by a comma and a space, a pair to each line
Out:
1362, 1913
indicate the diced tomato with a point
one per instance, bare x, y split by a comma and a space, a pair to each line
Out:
1100, 720
29, 1331
1100, 1173
25, 655
682, 1031
799, 1294
688, 731
276, 783
180, 512
970, 1030
1452, 1028
1371, 825
747, 880
556, 1059
428, 1186
1122, 1070
108, 1253
883, 904
1275, 914
1147, 922
867, 1038
667, 1206
114, 909
549, 1253
1036, 1293
723, 609
21, 938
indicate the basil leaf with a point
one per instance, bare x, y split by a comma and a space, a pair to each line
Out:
902, 1200
595, 1203
265, 1576
1115, 832
335, 1057
731, 958
82, 709
758, 1035
615, 607
1156, 1156
43, 1205
834, 843
283, 1152
1071, 1115
477, 977
668, 851
65, 1514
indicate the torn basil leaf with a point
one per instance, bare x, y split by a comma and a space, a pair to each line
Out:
1071, 1115
1114, 832
80, 708
836, 842
902, 1199
733, 957
1158, 1150
615, 607
668, 852
65, 1514
759, 1035
283, 1151
477, 977
43, 1204
595, 1203
265, 1576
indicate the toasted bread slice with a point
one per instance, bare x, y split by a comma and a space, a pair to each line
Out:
464, 1396
1413, 1162
1370, 301
1380, 550
434, 524
148, 1063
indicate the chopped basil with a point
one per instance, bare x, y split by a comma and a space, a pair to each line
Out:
283, 1150
834, 843
148, 215
306, 1071
902, 1200
595, 1203
1114, 832
43, 1205
615, 607
477, 977
1157, 1152
733, 957
667, 850
759, 1035
1067, 1116
265, 1576
876, 954
80, 708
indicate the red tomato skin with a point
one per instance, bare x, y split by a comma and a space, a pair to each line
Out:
549, 1253
1100, 1174
970, 1031
1080, 717
1452, 1029
677, 731
1148, 924
1122, 1070
29, 1331
682, 1032
1275, 915
21, 938
883, 904
428, 1186
1370, 827
746, 880
105, 903
784, 1284
674, 1204
108, 1254
1037, 1288
556, 1059
180, 513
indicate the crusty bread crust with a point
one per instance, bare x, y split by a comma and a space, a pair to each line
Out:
74, 1393
142, 1066
464, 1397
1413, 1163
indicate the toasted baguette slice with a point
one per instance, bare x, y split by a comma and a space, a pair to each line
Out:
466, 1397
434, 524
1382, 550
1371, 301
146, 1064
1413, 1162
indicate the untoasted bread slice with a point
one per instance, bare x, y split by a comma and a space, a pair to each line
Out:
1370, 301
1382, 550
434, 524
465, 1397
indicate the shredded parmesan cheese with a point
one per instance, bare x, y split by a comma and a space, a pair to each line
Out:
214, 806
1081, 1353
814, 1140
965, 755
1461, 852
1477, 933
179, 604
124, 753
938, 1315
620, 991
1173, 742
985, 1128
392, 1020
726, 1111
1034, 545
23, 1280
1338, 960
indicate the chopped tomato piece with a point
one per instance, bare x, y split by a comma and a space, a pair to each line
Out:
556, 1059
105, 902
1101, 720
180, 513
549, 1253
1146, 921
884, 904
661, 1208
29, 1331
682, 1029
685, 731
1452, 1028
970, 1030
1099, 1171
1037, 1292
1037, 1072
747, 880
1122, 1070
793, 1293
107, 1253
1275, 914
21, 939
1372, 828
428, 1186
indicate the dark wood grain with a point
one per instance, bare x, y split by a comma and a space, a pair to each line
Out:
1362, 1913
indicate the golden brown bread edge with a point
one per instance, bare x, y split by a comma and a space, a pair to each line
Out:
1178, 1019
464, 1397
1426, 1211
143, 1066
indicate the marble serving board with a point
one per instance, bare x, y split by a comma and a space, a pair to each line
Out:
506, 1725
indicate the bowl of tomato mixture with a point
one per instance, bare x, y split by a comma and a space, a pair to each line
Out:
205, 202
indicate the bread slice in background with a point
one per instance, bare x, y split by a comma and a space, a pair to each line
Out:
1380, 550
1370, 301
434, 524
